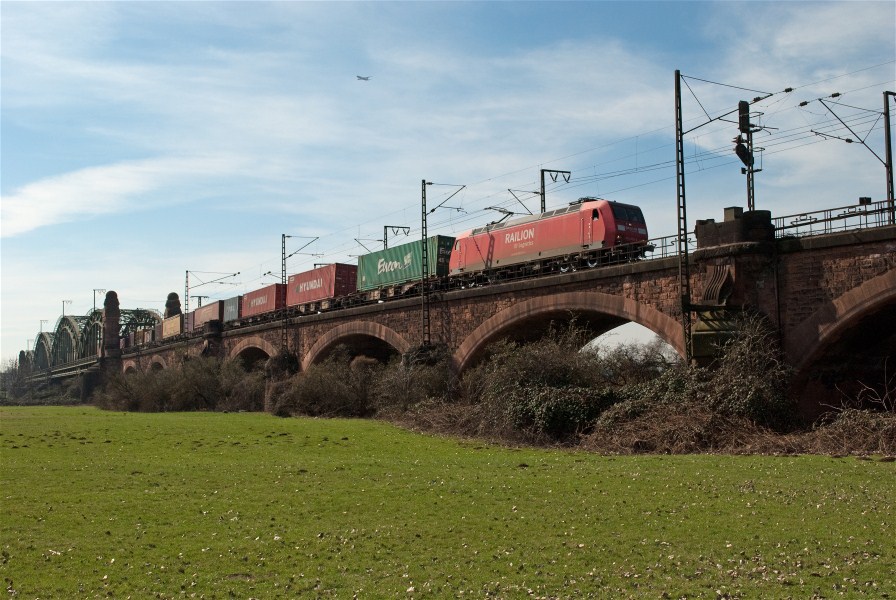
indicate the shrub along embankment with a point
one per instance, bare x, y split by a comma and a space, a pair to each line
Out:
555, 391
628, 399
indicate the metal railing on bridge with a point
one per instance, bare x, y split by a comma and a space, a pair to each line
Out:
831, 220
667, 246
63, 370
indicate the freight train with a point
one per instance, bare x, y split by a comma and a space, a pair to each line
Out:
585, 234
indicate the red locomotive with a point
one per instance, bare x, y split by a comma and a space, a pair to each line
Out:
585, 233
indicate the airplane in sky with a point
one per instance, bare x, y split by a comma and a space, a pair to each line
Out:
363, 78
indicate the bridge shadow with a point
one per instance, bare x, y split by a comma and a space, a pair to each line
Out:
847, 349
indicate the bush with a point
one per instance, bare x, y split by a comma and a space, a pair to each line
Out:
405, 383
557, 360
14, 380
856, 431
280, 398
669, 391
688, 427
549, 390
556, 413
199, 386
750, 378
242, 390
136, 392
196, 384
338, 387
631, 364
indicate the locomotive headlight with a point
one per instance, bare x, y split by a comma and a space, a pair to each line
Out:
620, 228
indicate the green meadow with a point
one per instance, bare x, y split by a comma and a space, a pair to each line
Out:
211, 505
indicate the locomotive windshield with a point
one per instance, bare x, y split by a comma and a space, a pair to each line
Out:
624, 212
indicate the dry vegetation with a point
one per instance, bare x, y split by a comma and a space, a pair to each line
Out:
196, 384
625, 400
629, 399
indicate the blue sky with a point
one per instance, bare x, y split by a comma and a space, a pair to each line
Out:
144, 139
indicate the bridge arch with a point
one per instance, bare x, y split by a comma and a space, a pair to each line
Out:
129, 367
600, 311
136, 319
91, 341
66, 341
365, 337
43, 351
157, 363
841, 337
253, 349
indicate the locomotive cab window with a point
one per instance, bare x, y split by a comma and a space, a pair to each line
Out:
595, 215
628, 213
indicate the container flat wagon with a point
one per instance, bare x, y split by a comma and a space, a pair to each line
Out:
172, 326
210, 312
391, 271
232, 308
267, 299
318, 288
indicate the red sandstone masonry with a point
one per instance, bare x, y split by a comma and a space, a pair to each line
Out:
812, 281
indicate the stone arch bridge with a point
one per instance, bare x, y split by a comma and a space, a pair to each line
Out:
830, 294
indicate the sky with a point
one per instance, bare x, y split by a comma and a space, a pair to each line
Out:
140, 141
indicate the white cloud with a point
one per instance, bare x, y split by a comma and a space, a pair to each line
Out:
830, 31
123, 187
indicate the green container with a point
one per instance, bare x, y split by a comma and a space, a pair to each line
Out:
404, 263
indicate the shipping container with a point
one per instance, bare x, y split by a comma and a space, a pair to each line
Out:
158, 334
404, 263
329, 281
267, 299
172, 326
232, 308
209, 312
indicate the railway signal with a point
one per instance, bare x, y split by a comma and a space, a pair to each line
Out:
743, 116
743, 153
744, 148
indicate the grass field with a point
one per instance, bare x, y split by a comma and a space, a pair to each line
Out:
206, 505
